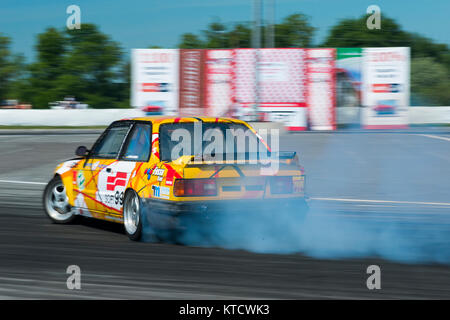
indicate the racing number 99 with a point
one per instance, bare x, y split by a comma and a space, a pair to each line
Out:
119, 197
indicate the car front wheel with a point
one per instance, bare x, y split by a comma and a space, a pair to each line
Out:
56, 202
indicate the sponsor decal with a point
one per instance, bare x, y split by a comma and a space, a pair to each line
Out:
169, 179
96, 165
113, 199
66, 166
159, 172
156, 191
81, 180
165, 191
111, 185
120, 179
149, 172
161, 192
155, 171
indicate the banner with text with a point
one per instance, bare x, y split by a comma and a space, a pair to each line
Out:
321, 89
191, 93
385, 87
154, 84
282, 84
218, 82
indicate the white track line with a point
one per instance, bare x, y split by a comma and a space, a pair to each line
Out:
23, 182
434, 137
312, 198
383, 201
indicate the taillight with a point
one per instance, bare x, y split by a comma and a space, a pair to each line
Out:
194, 187
280, 185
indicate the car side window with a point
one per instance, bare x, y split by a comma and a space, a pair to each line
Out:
139, 143
109, 145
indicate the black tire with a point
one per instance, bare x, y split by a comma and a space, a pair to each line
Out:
131, 199
143, 231
56, 204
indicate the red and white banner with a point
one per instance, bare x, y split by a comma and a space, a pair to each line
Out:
191, 92
292, 85
282, 84
321, 89
218, 82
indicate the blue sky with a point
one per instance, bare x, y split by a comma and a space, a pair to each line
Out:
141, 23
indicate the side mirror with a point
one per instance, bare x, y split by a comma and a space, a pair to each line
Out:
82, 151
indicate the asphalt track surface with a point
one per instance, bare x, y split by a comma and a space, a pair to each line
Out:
379, 178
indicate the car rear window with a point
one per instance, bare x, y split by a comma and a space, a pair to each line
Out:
235, 138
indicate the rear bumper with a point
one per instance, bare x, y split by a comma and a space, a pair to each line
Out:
165, 214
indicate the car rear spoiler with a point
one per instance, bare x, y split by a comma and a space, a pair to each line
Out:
282, 155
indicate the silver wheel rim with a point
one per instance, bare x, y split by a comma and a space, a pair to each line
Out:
131, 214
57, 202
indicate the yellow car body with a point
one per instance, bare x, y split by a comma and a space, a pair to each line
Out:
96, 185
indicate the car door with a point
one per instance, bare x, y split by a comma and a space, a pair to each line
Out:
113, 180
103, 180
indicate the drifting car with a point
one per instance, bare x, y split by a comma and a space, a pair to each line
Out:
137, 174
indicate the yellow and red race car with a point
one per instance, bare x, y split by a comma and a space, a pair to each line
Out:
153, 171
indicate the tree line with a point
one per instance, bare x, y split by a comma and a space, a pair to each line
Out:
89, 65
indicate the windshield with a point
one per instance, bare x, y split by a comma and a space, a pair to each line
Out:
209, 140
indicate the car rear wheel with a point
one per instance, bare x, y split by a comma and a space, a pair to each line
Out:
56, 202
132, 217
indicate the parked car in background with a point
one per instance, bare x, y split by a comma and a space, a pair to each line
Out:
67, 103
14, 104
